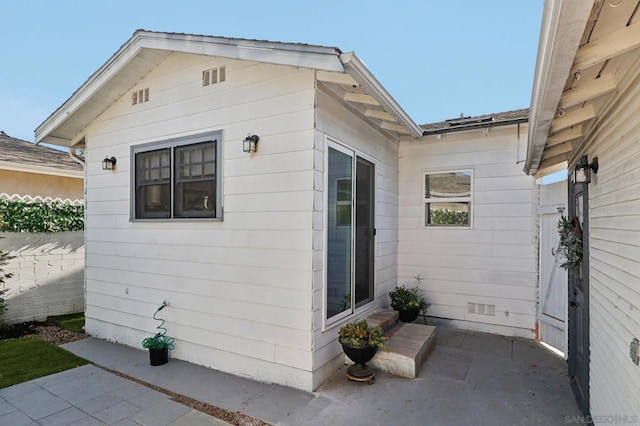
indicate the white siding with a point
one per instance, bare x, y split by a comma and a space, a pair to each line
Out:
240, 289
334, 120
614, 226
492, 263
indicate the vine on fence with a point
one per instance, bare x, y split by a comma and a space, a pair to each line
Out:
19, 216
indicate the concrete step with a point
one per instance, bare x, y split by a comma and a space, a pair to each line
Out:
409, 345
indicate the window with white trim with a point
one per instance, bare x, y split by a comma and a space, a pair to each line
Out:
448, 198
177, 179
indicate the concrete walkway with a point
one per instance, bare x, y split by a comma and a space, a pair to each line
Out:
470, 379
88, 395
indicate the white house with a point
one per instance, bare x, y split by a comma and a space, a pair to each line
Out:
480, 270
263, 255
584, 117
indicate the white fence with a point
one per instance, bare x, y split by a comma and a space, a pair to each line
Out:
48, 275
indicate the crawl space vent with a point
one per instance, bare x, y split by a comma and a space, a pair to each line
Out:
482, 309
213, 76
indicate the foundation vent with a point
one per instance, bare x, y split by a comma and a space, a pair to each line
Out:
482, 309
213, 76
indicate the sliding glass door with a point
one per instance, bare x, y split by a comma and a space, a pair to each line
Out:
350, 232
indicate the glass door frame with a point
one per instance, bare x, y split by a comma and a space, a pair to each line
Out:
354, 154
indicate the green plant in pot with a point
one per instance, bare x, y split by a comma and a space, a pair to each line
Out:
409, 302
160, 343
360, 342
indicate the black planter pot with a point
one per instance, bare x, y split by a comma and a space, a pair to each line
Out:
360, 355
158, 356
409, 315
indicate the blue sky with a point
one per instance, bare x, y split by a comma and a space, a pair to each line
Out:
437, 58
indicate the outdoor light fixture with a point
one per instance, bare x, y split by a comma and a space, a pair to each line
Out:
250, 143
108, 163
582, 171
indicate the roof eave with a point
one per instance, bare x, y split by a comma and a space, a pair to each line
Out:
360, 73
476, 126
563, 24
34, 168
306, 56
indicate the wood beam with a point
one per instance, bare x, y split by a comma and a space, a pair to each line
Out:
564, 136
337, 78
394, 127
360, 98
550, 168
572, 118
598, 87
380, 115
553, 151
607, 47
545, 165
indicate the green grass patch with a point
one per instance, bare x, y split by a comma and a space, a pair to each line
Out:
73, 322
28, 358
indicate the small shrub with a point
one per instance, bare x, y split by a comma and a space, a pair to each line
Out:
360, 333
4, 260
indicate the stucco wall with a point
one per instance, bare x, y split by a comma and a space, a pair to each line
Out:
48, 275
35, 184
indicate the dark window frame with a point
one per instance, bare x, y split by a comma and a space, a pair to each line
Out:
144, 175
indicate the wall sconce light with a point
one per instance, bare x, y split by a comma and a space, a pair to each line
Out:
250, 143
582, 171
108, 163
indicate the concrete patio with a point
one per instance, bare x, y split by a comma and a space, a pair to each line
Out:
470, 378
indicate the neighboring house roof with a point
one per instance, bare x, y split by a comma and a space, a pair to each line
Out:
23, 156
145, 50
586, 48
480, 121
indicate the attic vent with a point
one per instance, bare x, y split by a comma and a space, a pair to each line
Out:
482, 309
140, 96
213, 76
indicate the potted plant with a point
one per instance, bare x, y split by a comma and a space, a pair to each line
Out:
360, 342
409, 302
159, 344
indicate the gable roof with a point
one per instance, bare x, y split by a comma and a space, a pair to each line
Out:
23, 156
147, 49
481, 121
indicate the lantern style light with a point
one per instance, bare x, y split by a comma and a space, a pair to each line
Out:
108, 163
582, 171
250, 143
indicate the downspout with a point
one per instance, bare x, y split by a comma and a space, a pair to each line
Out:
74, 157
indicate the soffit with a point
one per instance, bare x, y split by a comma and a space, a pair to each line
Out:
608, 51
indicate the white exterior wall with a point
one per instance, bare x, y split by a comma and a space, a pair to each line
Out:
494, 262
240, 290
338, 123
48, 275
614, 238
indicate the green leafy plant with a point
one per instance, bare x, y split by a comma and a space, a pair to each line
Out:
449, 217
360, 333
4, 260
571, 243
19, 216
403, 298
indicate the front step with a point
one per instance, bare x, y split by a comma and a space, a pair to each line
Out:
409, 345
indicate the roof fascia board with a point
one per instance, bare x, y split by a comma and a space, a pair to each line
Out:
360, 73
318, 57
32, 168
476, 126
563, 25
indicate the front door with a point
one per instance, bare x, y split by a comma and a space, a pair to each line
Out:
350, 232
579, 301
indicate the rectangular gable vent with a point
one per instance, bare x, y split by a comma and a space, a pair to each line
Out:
140, 96
482, 309
213, 76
